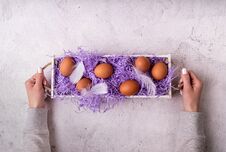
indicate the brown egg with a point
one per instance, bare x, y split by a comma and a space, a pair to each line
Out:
159, 71
67, 66
129, 87
103, 70
142, 63
84, 83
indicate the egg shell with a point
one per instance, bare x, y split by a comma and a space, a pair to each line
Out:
67, 66
159, 71
103, 70
129, 87
142, 63
84, 83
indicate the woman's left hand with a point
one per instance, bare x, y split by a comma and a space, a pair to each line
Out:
35, 90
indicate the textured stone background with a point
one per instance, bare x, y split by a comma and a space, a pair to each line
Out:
194, 32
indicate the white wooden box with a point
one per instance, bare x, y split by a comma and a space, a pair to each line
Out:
169, 95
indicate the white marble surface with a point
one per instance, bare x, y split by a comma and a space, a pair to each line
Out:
194, 32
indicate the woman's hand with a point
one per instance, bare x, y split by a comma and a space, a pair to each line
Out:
191, 88
35, 90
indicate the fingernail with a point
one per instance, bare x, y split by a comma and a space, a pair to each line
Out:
39, 70
184, 71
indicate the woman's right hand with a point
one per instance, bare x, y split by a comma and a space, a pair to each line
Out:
191, 88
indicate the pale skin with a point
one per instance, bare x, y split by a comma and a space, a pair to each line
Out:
190, 84
35, 90
191, 90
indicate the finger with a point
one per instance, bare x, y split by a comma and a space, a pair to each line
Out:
193, 76
32, 80
180, 86
180, 83
39, 77
195, 80
29, 83
45, 82
33, 77
185, 78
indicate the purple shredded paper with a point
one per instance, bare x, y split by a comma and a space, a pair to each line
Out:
123, 70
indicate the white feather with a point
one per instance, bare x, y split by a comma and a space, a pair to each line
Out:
147, 82
77, 73
100, 88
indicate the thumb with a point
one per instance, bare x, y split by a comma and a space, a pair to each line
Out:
39, 78
185, 78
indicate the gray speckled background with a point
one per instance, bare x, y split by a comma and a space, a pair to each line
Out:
194, 32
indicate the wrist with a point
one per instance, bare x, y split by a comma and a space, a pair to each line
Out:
191, 108
37, 105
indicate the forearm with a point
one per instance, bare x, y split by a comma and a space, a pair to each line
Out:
36, 133
190, 135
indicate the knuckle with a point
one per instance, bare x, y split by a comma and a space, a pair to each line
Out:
26, 82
